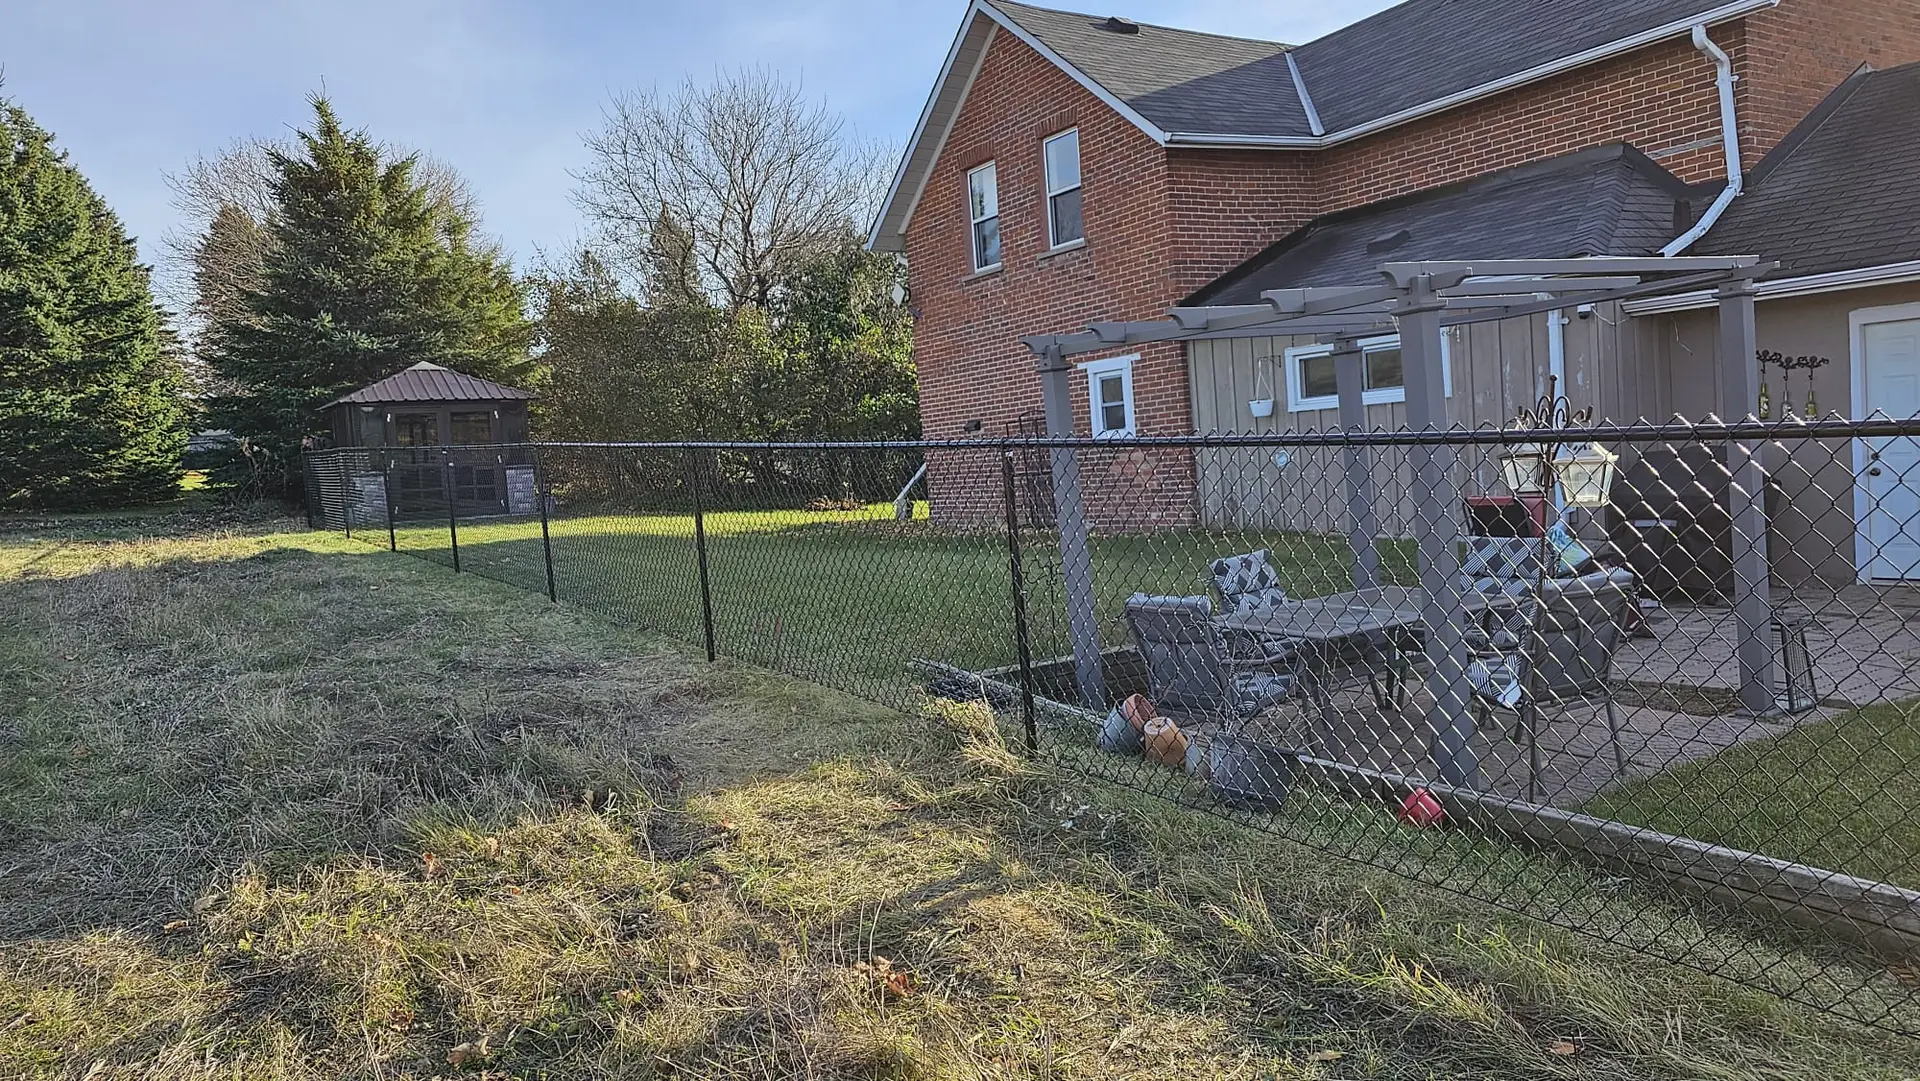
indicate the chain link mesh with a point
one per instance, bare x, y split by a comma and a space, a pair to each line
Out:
1683, 720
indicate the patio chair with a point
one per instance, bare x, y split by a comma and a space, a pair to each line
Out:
1251, 583
1191, 667
1566, 657
1510, 567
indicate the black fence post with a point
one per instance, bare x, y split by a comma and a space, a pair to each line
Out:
1023, 647
346, 497
453, 519
393, 539
542, 493
700, 550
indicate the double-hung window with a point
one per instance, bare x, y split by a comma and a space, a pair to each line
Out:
1062, 153
1110, 397
983, 207
1313, 384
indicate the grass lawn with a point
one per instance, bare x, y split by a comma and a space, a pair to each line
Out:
787, 585
1843, 795
277, 806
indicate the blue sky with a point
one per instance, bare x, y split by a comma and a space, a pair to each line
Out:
501, 89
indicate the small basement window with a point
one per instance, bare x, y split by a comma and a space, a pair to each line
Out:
1062, 153
1110, 397
983, 208
1312, 383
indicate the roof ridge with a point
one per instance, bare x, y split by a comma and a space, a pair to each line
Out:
1809, 126
1281, 45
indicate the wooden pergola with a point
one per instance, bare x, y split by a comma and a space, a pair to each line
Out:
1419, 300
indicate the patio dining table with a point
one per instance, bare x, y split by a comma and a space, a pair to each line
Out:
1321, 625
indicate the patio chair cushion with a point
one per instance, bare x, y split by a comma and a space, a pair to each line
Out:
1502, 558
1249, 583
1254, 691
1498, 679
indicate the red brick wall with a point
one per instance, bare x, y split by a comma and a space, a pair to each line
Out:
1793, 55
1658, 98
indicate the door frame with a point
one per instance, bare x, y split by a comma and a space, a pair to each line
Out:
1858, 320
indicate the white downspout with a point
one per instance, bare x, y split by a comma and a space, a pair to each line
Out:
1729, 137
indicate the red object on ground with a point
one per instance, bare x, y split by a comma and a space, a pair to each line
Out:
1421, 809
1138, 709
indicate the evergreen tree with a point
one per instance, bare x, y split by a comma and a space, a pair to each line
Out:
90, 409
367, 272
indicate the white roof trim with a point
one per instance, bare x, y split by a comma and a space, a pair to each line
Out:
980, 8
1780, 288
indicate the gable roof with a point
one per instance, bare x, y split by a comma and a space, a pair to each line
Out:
1179, 80
427, 382
1842, 191
1186, 88
1611, 200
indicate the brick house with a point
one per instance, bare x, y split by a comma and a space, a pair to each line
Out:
1069, 168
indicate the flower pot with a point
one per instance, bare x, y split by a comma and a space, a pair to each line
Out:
1166, 744
1261, 407
1251, 775
1119, 735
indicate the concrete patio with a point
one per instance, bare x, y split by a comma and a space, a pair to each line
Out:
1675, 694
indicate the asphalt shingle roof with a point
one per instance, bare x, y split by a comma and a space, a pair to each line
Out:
1408, 55
427, 382
1842, 191
1424, 50
1181, 80
1606, 201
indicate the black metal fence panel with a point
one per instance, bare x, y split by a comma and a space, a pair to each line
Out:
1657, 684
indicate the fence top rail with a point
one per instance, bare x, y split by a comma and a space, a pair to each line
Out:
1711, 431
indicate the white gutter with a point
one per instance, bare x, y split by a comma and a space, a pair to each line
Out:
1781, 288
1729, 137
1306, 100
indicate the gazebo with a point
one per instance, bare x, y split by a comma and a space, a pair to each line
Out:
1419, 300
421, 428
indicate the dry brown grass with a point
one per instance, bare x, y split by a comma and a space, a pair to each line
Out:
274, 807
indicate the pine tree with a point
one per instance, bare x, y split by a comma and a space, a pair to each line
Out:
90, 408
367, 272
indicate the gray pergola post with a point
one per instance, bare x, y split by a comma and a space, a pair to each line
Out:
1070, 517
1747, 501
1363, 517
1436, 530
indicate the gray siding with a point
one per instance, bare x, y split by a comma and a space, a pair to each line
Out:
1496, 369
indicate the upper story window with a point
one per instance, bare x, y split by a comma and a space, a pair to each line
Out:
1062, 152
1313, 384
983, 207
1110, 397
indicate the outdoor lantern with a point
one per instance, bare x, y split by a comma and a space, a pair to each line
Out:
1586, 474
1525, 467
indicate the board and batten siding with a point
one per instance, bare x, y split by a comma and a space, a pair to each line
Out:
1497, 369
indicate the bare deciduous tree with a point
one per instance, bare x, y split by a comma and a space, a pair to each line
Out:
744, 180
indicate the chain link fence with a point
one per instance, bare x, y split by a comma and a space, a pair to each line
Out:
1672, 702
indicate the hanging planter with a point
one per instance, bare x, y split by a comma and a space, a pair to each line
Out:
1261, 408
1251, 775
1261, 404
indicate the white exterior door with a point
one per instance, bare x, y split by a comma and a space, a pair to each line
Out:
1890, 467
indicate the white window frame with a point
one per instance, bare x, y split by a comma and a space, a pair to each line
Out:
1096, 371
1297, 402
1079, 170
973, 223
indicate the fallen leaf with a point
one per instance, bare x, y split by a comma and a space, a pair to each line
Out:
1563, 1048
432, 863
205, 902
727, 825
1326, 1056
175, 926
468, 1052
493, 848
